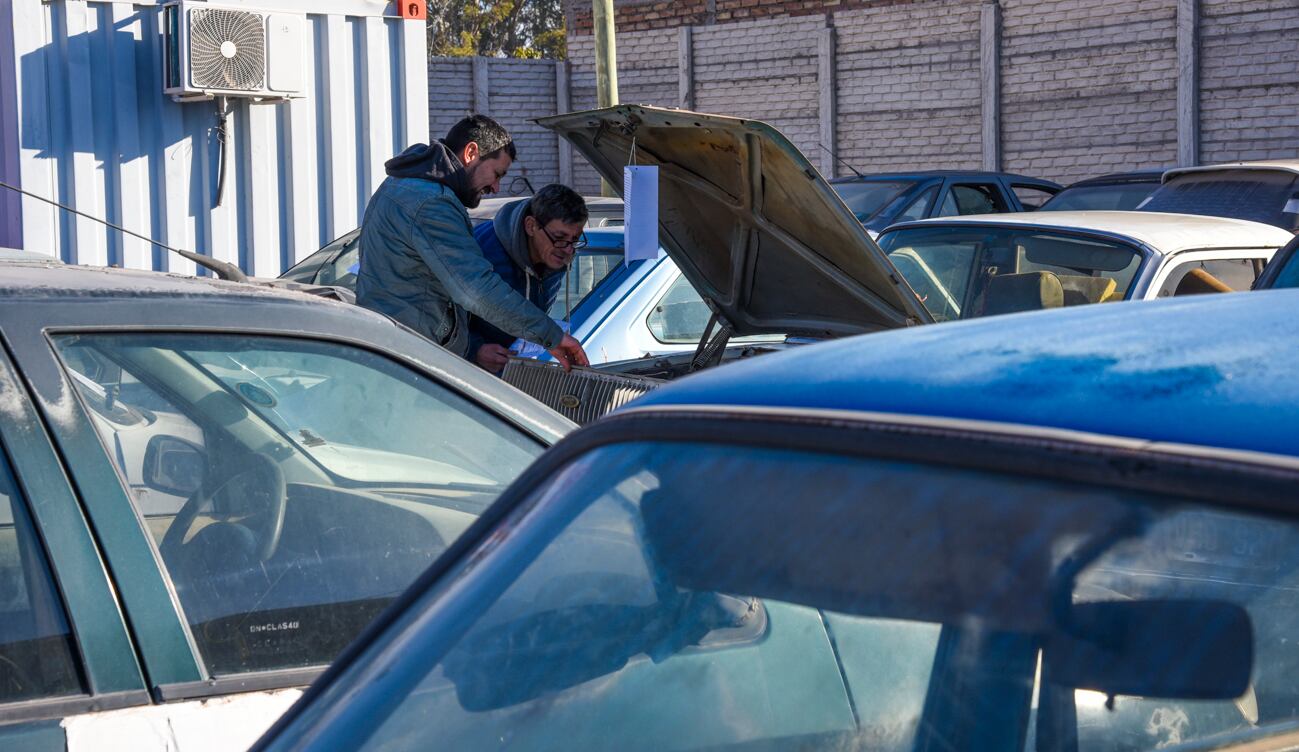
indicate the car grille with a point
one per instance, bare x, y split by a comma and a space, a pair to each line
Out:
582, 394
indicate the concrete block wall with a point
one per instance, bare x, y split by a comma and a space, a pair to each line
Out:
765, 70
520, 91
647, 74
450, 93
517, 92
907, 80
1085, 86
1249, 79
1088, 87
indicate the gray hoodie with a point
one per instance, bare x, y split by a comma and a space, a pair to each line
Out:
420, 263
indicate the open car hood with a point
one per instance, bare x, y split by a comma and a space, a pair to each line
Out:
752, 224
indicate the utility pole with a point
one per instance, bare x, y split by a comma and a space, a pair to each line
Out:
606, 64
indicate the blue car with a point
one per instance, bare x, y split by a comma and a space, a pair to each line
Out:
1283, 270
1038, 532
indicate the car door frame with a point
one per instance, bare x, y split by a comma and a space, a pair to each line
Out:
1171, 261
105, 651
951, 182
171, 663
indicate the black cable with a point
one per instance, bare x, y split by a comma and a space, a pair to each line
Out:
223, 269
223, 142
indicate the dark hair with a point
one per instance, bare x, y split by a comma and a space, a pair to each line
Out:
490, 136
560, 202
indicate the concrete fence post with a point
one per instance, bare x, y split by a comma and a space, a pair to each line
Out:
482, 86
990, 83
563, 103
828, 102
1188, 83
685, 68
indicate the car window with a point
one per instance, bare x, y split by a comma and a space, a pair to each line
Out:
1194, 277
1031, 197
866, 198
37, 654
342, 269
681, 315
308, 270
1119, 197
972, 198
698, 596
1267, 196
969, 271
919, 208
1288, 276
292, 488
586, 271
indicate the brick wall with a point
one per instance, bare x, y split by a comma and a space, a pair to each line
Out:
908, 87
643, 15
1088, 87
1249, 79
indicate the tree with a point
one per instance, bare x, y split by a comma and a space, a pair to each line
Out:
503, 28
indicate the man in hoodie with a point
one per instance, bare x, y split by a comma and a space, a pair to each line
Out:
419, 261
530, 244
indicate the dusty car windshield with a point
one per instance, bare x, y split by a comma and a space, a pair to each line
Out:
697, 596
868, 197
292, 487
966, 271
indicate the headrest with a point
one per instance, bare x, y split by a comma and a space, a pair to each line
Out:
1081, 290
1029, 291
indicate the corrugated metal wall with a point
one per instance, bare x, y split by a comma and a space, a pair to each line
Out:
93, 130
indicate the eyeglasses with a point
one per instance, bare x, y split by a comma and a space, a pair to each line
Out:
561, 244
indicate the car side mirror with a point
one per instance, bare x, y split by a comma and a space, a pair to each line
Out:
1177, 649
174, 466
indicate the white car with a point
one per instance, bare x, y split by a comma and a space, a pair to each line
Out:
977, 266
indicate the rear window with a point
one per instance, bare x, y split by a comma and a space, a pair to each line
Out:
962, 272
1113, 197
1267, 196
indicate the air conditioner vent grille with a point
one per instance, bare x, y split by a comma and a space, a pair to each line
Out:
227, 49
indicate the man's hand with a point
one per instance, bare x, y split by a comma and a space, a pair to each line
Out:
492, 357
569, 353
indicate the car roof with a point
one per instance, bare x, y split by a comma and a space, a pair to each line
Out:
1165, 233
1178, 370
37, 295
927, 174
1284, 165
1152, 175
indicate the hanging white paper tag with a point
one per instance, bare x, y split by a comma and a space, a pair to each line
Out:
640, 195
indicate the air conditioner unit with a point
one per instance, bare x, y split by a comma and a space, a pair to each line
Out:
231, 51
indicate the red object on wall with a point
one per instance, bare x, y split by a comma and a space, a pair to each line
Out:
412, 10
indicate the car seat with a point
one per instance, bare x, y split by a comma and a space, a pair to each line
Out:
1026, 291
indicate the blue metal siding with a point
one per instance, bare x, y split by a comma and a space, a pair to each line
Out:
85, 122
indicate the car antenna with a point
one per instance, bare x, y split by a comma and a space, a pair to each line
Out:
842, 161
222, 269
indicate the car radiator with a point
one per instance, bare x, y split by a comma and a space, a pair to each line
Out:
582, 394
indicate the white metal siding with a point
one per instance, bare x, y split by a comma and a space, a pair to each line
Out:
89, 126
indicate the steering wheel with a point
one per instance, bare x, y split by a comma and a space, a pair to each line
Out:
271, 484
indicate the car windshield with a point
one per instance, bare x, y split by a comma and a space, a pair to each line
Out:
292, 487
1288, 275
1267, 196
866, 198
696, 596
1115, 196
966, 271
